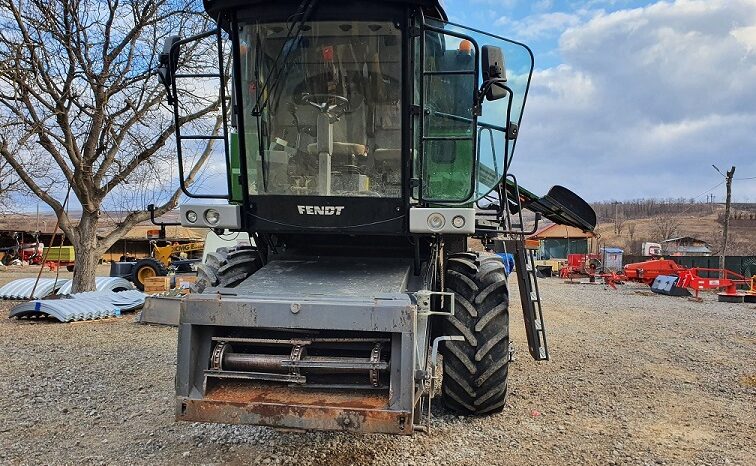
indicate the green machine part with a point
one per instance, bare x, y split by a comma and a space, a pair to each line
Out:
237, 194
448, 124
448, 168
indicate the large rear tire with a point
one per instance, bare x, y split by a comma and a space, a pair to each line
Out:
227, 267
146, 268
476, 369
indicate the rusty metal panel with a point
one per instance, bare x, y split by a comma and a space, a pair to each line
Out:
291, 408
296, 416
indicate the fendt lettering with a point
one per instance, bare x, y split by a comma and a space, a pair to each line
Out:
337, 325
320, 209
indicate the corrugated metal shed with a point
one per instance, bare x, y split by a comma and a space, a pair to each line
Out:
22, 288
81, 306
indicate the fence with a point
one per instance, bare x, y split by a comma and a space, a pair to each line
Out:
744, 265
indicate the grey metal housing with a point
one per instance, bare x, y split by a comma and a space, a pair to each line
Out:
308, 308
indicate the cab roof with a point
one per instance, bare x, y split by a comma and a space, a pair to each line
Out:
432, 8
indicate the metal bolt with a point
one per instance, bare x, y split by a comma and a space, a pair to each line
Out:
295, 308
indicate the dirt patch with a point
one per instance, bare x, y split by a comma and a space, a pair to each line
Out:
748, 381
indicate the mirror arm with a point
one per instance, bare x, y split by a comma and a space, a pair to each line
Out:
481, 95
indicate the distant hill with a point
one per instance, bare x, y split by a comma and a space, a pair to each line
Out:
628, 224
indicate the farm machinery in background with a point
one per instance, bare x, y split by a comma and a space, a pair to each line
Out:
30, 253
164, 256
607, 262
667, 277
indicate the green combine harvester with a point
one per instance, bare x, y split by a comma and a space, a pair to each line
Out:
365, 143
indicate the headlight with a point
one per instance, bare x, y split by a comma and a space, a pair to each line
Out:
191, 216
458, 221
212, 216
436, 221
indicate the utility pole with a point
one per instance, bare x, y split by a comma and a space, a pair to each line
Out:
726, 227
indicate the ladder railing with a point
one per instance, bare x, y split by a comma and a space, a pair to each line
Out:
530, 298
180, 138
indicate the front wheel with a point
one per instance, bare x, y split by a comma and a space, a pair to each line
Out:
476, 369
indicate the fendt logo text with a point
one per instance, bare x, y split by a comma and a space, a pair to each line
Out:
320, 209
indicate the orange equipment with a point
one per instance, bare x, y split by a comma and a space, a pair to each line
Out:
581, 264
647, 271
729, 282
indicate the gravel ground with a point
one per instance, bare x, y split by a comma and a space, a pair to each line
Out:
634, 378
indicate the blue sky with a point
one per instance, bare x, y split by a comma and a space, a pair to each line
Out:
633, 98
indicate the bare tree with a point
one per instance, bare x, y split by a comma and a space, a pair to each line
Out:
631, 230
77, 82
10, 184
666, 226
619, 224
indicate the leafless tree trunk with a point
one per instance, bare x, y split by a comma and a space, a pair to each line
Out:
87, 113
619, 224
666, 226
631, 230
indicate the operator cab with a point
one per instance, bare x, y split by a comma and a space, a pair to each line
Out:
362, 117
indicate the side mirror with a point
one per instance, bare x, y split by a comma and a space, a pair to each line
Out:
494, 72
167, 64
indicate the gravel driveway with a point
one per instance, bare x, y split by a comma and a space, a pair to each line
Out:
634, 378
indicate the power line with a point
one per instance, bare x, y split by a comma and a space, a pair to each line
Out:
705, 192
709, 190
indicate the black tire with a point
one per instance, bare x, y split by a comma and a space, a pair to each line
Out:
476, 369
227, 268
145, 268
70, 268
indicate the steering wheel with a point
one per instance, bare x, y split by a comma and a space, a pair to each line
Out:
328, 104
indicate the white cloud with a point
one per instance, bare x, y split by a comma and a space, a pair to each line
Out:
543, 5
542, 24
746, 36
645, 101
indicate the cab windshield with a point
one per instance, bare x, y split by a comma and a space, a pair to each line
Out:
331, 121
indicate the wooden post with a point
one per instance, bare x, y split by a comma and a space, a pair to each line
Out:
726, 227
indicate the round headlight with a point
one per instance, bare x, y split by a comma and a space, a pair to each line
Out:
191, 216
436, 221
212, 216
458, 221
